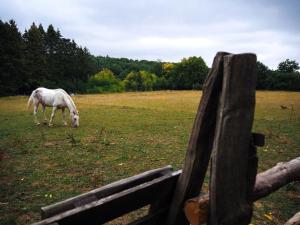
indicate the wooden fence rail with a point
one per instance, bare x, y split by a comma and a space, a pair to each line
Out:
267, 182
96, 194
196, 209
119, 203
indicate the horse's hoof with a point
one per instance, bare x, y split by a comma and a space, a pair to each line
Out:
38, 123
50, 125
65, 124
45, 122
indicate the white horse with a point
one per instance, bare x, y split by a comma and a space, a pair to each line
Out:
58, 99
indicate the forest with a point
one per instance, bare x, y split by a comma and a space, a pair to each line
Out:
43, 57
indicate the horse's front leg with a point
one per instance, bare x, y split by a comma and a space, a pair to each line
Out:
44, 114
64, 116
35, 109
52, 116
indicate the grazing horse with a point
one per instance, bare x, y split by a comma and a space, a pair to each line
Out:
58, 99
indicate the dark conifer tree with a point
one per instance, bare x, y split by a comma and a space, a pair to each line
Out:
35, 60
54, 67
11, 59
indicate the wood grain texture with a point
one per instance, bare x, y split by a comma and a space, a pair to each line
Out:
234, 161
102, 192
276, 177
116, 205
200, 144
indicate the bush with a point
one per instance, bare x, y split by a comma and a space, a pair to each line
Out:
104, 81
284, 81
190, 73
140, 81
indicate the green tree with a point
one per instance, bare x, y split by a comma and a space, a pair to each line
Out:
149, 81
121, 67
263, 72
87, 66
288, 66
167, 67
284, 81
133, 81
35, 60
75, 65
11, 59
39, 58
140, 81
104, 81
190, 73
54, 67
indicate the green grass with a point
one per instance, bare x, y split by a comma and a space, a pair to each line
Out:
121, 135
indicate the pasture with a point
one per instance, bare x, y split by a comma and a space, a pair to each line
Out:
121, 135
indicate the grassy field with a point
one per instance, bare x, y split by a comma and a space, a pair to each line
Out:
121, 135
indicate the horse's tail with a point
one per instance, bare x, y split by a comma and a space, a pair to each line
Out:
30, 100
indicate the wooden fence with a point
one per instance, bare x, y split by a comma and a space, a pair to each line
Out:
221, 135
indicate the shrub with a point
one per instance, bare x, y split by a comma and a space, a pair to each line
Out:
104, 81
140, 81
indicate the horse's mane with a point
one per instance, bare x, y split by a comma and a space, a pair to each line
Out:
70, 99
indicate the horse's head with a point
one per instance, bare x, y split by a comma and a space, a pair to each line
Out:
75, 118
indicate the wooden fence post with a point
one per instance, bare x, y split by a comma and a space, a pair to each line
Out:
200, 144
234, 161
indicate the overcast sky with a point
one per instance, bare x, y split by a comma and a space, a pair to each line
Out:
169, 29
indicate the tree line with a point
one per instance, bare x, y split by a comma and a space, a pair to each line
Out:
43, 57
123, 74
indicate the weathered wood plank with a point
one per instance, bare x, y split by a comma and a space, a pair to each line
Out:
163, 201
200, 144
102, 192
196, 209
116, 205
234, 161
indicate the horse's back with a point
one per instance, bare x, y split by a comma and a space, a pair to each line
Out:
62, 90
49, 97
47, 91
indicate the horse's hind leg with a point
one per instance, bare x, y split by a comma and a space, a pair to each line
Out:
44, 114
35, 108
52, 116
64, 116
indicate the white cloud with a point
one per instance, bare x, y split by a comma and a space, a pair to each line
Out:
169, 29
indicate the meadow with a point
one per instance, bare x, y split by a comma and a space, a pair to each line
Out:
121, 135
